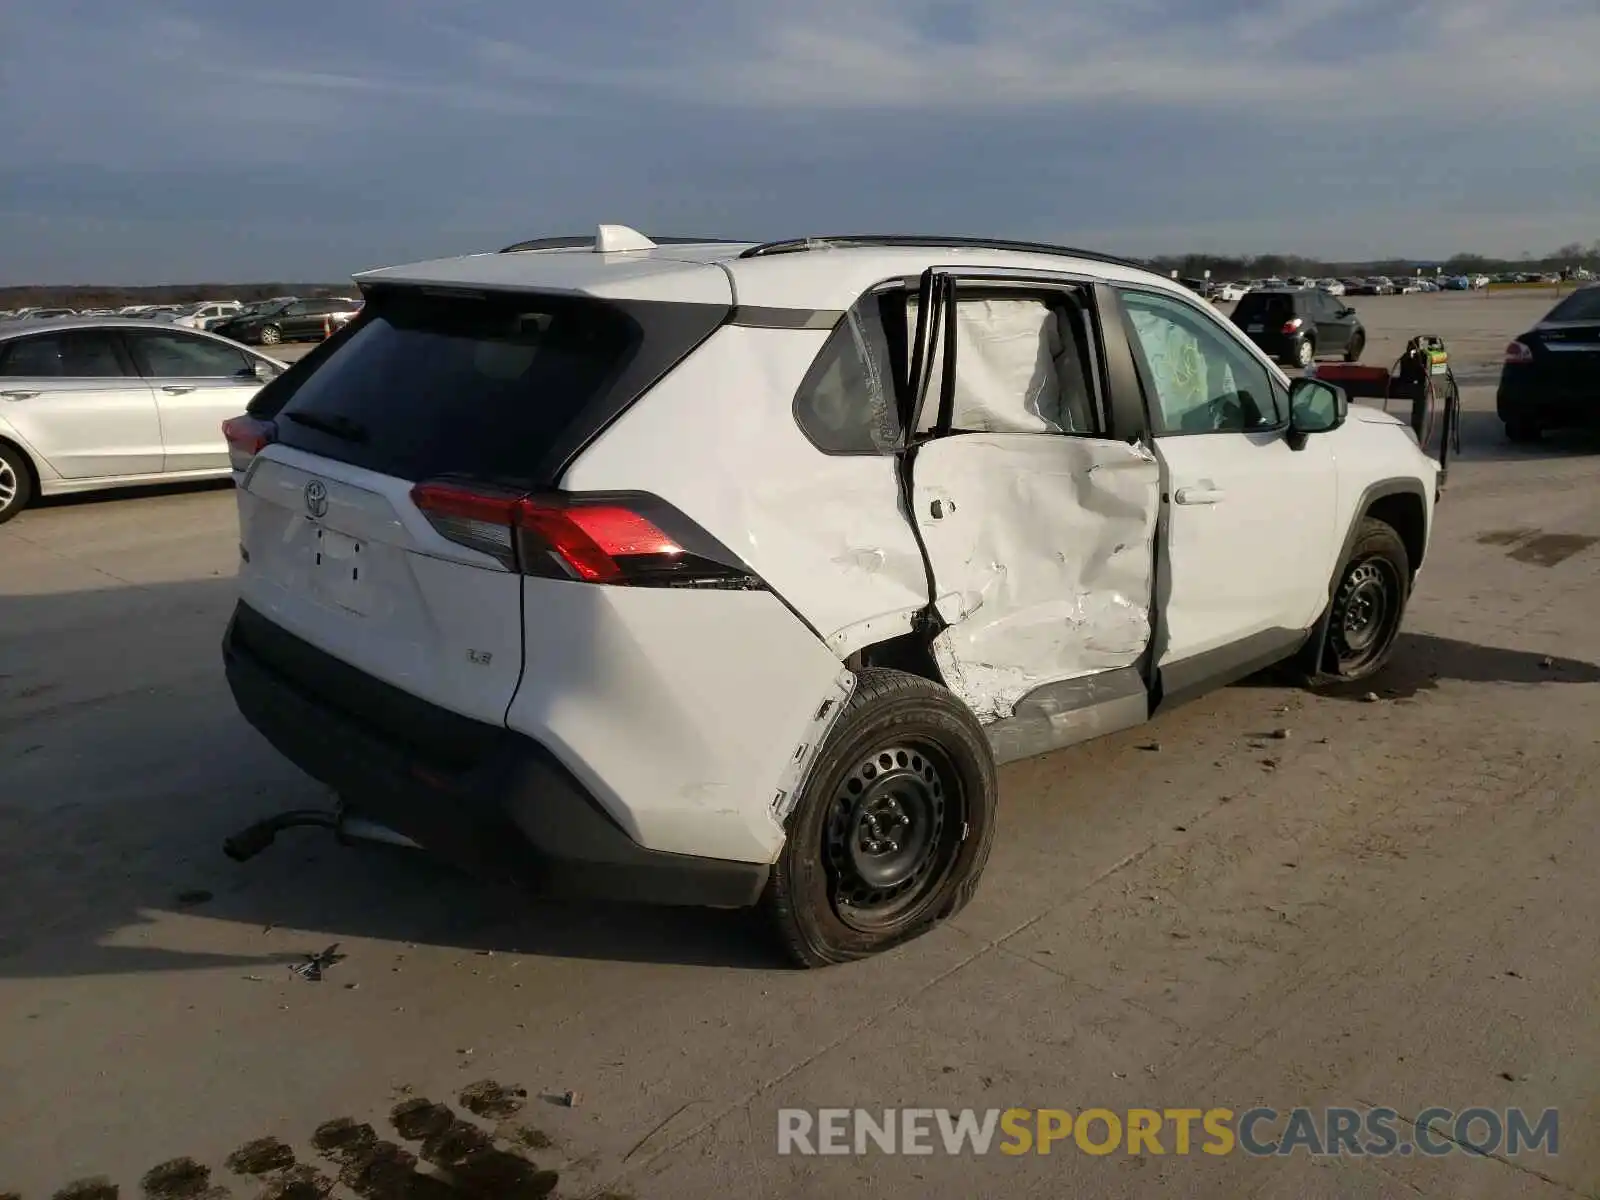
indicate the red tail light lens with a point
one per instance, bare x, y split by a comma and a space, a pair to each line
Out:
1293, 325
246, 438
1519, 352
590, 540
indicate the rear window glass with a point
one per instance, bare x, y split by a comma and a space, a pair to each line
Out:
1265, 304
427, 386
1582, 305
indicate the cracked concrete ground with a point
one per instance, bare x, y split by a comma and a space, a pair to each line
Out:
1396, 904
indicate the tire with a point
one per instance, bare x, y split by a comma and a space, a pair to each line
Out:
908, 760
1358, 343
271, 335
1305, 353
1368, 605
1522, 430
16, 482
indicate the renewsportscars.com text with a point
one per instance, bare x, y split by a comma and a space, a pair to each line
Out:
1258, 1132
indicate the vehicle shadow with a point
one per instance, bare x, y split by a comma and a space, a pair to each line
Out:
124, 765
1423, 660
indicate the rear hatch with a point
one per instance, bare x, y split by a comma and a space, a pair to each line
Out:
1566, 344
488, 390
1264, 314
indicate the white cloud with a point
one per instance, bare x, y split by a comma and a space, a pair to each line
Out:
1435, 58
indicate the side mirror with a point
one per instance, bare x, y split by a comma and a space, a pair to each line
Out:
265, 371
1314, 407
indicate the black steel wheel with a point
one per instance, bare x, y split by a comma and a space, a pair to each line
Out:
891, 832
1369, 602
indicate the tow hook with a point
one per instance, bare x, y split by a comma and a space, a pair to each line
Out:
346, 826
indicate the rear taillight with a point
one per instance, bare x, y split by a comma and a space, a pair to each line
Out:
1292, 325
591, 539
1519, 352
247, 437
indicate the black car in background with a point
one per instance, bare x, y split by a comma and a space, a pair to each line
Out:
1295, 325
288, 320
1551, 375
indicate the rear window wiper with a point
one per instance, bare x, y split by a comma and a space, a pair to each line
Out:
342, 428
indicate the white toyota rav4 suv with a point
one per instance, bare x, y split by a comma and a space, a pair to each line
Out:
724, 574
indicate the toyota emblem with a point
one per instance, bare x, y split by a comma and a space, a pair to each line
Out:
317, 498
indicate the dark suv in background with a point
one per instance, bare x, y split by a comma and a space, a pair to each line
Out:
1295, 325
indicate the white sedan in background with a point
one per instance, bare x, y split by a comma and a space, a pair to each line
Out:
1229, 292
91, 403
203, 316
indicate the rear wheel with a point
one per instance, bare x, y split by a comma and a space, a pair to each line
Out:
1304, 353
891, 832
271, 335
16, 483
1522, 429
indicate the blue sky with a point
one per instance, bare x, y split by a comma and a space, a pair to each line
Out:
166, 141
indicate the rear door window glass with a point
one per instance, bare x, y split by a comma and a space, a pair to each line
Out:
70, 354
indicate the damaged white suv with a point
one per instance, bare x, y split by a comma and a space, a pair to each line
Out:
724, 574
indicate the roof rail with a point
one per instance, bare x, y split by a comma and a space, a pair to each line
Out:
796, 245
587, 241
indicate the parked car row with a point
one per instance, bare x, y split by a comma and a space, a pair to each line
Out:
267, 322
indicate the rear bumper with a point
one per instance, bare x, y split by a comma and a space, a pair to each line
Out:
1284, 347
1531, 394
504, 809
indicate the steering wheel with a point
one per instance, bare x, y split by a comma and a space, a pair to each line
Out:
1226, 411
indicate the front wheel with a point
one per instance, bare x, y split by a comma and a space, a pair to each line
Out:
1358, 343
1369, 602
892, 830
271, 335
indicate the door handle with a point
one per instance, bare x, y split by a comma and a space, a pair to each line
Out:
177, 389
19, 395
1199, 495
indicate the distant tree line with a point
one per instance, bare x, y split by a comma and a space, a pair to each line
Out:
101, 296
1226, 267
1190, 266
